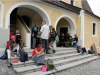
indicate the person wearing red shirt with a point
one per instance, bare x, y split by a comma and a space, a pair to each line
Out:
38, 55
11, 46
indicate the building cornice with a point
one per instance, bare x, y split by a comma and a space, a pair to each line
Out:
91, 14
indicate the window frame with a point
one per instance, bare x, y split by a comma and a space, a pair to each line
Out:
1, 14
96, 26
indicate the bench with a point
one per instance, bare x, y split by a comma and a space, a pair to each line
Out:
67, 44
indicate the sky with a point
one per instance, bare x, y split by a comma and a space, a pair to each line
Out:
95, 6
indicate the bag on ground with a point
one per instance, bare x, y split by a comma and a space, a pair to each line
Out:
24, 57
79, 47
78, 51
15, 61
90, 52
84, 49
44, 68
49, 64
21, 50
98, 51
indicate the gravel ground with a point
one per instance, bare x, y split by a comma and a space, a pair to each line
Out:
92, 68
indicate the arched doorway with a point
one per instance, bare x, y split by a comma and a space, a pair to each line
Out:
65, 24
39, 12
29, 5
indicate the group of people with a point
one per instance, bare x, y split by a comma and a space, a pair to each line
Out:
47, 38
45, 35
14, 44
42, 39
67, 38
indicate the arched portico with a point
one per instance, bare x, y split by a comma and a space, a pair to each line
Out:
70, 21
33, 6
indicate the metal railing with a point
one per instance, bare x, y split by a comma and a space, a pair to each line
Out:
24, 24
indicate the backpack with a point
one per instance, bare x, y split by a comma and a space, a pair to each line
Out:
35, 29
24, 57
21, 50
84, 49
50, 65
90, 52
4, 56
78, 49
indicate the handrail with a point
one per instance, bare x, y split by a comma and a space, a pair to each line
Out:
24, 24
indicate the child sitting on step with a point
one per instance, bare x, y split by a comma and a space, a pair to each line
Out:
38, 55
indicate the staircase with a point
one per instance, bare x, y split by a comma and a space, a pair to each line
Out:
64, 58
13, 28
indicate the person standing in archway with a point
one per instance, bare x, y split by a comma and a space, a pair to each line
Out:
52, 41
44, 36
34, 35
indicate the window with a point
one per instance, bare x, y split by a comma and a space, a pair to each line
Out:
72, 2
94, 28
1, 14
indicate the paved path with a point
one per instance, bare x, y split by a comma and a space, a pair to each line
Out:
4, 70
92, 68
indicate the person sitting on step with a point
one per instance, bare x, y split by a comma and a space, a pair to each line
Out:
70, 39
75, 40
19, 39
62, 40
38, 55
11, 47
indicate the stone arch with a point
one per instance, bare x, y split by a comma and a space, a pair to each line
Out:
71, 22
35, 7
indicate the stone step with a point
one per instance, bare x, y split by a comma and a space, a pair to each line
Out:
63, 67
57, 49
57, 52
61, 57
50, 55
29, 69
30, 51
